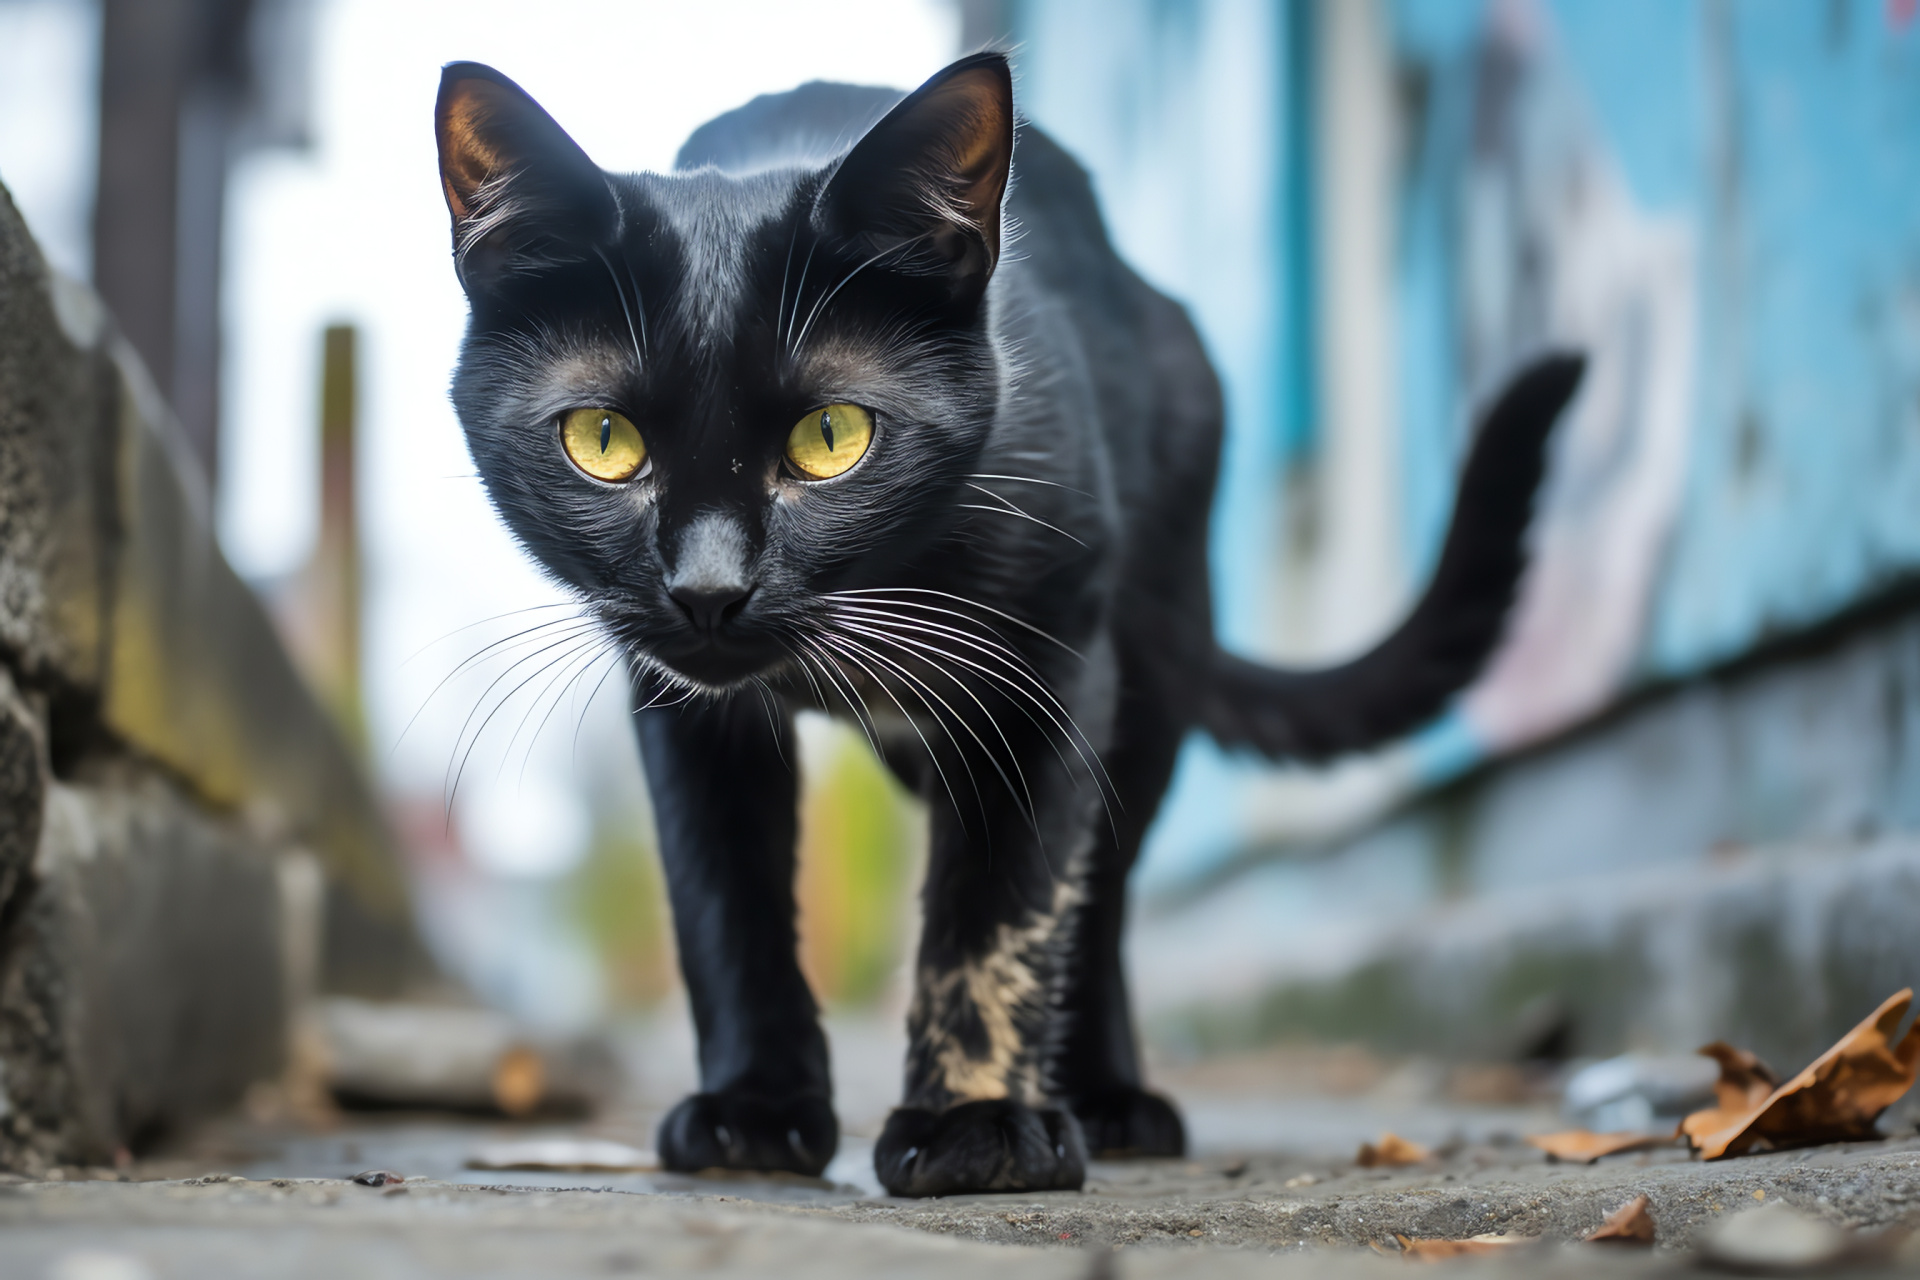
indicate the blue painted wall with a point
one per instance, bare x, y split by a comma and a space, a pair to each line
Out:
1782, 137
1787, 134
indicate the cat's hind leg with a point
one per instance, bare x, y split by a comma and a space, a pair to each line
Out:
724, 791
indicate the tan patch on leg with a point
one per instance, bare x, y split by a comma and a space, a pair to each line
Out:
1007, 995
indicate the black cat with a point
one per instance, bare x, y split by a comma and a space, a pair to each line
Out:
888, 430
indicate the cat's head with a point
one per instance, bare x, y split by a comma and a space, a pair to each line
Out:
706, 400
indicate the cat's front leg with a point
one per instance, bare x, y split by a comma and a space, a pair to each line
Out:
723, 795
976, 1116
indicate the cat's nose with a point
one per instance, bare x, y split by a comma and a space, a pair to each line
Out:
709, 607
711, 581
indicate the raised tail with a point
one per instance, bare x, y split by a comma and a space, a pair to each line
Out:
1407, 678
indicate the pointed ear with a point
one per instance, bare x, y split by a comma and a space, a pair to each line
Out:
928, 179
522, 193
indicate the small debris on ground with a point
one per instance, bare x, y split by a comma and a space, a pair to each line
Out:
565, 1155
1583, 1146
1774, 1238
1631, 1223
1438, 1250
377, 1178
1391, 1152
519, 1080
1637, 1091
454, 1058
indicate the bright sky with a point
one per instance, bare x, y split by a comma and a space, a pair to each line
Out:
49, 77
356, 230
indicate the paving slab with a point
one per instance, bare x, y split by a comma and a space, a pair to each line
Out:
1278, 1203
1272, 1190
330, 1228
1261, 1215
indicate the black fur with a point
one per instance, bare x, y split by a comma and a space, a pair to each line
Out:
1408, 677
1008, 593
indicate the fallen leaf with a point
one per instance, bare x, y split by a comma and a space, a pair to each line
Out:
1631, 1223
1836, 1099
1391, 1151
1435, 1250
1583, 1146
519, 1080
1745, 1082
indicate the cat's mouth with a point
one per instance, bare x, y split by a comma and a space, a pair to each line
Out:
718, 661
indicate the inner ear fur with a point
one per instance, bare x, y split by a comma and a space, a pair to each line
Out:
934, 170
462, 121
504, 159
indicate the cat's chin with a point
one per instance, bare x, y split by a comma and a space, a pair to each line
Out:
719, 668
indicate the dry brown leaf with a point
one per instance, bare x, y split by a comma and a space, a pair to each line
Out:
519, 1080
1631, 1223
1391, 1151
1435, 1250
1836, 1099
1745, 1082
1583, 1146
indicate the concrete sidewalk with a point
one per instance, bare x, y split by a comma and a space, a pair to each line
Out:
1272, 1190
1272, 1213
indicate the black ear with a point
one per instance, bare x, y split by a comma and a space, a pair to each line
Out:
927, 180
522, 193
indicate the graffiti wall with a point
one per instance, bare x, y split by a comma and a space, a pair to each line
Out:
1376, 208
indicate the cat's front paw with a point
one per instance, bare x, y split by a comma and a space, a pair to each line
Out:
749, 1131
997, 1145
1126, 1123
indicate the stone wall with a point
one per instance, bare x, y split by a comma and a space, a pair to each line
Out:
1734, 856
164, 774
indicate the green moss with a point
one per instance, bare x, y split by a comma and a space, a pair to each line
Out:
1406, 1004
856, 857
618, 898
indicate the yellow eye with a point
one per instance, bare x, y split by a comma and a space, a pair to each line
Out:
828, 441
603, 444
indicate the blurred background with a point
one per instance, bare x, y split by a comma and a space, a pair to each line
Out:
1670, 811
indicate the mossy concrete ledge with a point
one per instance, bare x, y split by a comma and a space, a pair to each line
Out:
168, 786
1732, 857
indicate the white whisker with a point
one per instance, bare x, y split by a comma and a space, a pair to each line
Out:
593, 653
581, 720
1034, 689
506, 645
933, 757
1055, 484
926, 650
632, 336
924, 691
885, 592
820, 306
848, 694
799, 292
510, 613
1011, 510
480, 732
